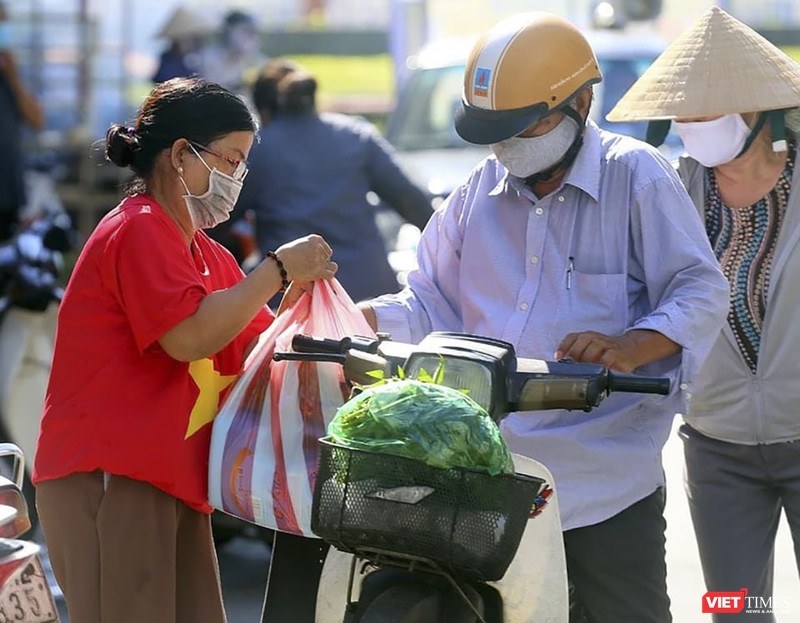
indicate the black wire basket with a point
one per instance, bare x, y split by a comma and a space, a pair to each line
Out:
465, 521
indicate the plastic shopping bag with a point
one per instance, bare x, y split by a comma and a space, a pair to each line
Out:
264, 448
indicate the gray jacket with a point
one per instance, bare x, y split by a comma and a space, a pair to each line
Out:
728, 401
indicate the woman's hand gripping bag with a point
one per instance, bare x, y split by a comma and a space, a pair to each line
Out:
264, 441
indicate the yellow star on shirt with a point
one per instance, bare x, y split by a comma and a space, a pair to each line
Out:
210, 383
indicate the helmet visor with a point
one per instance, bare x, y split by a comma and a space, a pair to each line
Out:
484, 127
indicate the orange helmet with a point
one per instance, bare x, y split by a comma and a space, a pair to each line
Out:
523, 69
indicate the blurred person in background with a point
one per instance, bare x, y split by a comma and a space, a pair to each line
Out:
266, 95
734, 99
237, 234
186, 33
312, 172
18, 108
236, 60
153, 329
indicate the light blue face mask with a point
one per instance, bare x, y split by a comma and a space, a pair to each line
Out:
5, 36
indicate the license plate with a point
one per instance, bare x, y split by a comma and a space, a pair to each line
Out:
26, 597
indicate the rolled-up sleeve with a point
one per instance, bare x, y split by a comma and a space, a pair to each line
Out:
430, 302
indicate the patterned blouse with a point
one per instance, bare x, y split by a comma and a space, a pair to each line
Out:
744, 242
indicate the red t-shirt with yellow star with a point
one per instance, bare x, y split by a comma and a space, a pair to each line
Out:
116, 402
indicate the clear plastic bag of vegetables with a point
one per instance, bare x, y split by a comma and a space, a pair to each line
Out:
440, 426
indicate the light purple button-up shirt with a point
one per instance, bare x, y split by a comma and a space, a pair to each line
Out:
618, 246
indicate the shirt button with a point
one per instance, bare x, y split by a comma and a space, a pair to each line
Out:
684, 386
523, 306
561, 198
539, 211
535, 259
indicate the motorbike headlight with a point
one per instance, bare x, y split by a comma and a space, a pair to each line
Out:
459, 373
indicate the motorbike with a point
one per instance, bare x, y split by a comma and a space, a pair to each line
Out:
24, 591
416, 544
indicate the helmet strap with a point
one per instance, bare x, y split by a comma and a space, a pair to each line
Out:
762, 119
570, 155
777, 125
657, 131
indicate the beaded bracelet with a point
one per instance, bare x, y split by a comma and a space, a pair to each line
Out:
281, 269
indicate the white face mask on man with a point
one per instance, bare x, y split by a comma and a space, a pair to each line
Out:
524, 156
714, 142
216, 204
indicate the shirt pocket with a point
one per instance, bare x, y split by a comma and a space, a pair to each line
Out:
594, 302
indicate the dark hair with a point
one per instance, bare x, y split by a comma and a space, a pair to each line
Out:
297, 93
190, 108
236, 17
265, 88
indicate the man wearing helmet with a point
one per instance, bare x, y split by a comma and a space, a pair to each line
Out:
573, 242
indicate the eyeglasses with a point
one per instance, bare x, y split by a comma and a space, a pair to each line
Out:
240, 169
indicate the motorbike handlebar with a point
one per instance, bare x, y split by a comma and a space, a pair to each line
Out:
319, 357
619, 382
533, 384
310, 344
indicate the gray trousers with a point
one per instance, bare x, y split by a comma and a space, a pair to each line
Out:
736, 494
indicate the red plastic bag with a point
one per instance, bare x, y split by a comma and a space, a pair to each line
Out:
264, 449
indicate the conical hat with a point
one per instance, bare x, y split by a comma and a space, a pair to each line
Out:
186, 23
719, 66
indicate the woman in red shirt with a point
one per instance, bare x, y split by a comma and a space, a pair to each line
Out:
152, 331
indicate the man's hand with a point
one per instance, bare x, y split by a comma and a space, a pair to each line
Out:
624, 352
369, 314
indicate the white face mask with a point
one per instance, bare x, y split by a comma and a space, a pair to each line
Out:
526, 156
714, 142
215, 205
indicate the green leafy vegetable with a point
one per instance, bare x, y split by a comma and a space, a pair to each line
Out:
422, 420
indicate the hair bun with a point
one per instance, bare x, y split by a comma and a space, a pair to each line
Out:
121, 145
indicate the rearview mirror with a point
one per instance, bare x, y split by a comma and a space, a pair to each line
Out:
14, 518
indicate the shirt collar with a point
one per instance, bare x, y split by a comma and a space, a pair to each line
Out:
586, 170
583, 174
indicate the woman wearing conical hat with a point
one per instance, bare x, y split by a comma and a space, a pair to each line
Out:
733, 98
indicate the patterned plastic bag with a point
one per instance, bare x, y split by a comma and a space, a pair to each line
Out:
264, 448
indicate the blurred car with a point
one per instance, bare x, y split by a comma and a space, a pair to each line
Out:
421, 126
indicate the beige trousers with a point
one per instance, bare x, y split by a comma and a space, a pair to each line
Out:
125, 552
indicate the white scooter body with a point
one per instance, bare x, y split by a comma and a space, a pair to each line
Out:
534, 589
